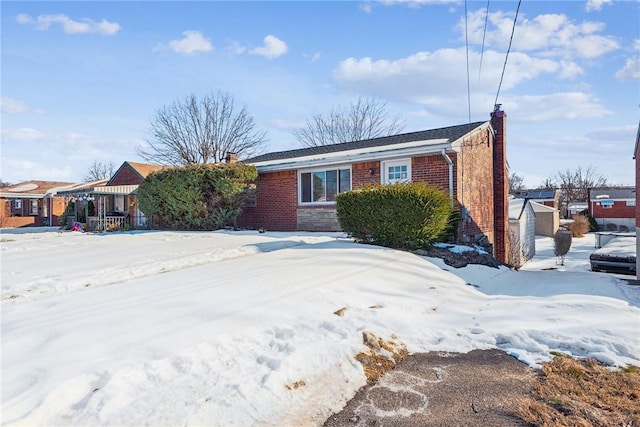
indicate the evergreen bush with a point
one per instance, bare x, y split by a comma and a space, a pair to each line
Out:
196, 197
593, 224
404, 216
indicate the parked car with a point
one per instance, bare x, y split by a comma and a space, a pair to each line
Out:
617, 256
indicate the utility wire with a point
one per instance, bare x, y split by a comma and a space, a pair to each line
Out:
484, 34
513, 29
466, 38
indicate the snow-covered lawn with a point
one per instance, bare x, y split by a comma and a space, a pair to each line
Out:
237, 328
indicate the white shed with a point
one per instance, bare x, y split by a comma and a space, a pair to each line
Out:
547, 219
522, 231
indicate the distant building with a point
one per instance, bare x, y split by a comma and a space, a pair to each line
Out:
613, 208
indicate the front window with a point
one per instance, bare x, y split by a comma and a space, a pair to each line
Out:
34, 207
322, 186
17, 204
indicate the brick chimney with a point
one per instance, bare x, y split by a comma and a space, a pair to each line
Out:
231, 158
500, 186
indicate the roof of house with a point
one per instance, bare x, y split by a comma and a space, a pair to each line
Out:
516, 208
142, 169
145, 169
450, 134
539, 207
535, 194
34, 189
613, 193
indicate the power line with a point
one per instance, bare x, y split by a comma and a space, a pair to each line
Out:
513, 29
484, 34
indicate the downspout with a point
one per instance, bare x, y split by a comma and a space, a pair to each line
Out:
450, 163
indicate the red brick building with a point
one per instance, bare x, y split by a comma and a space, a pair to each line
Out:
296, 189
614, 208
31, 203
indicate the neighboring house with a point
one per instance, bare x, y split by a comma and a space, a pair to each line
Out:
547, 197
614, 209
296, 189
31, 203
114, 201
522, 231
574, 208
547, 219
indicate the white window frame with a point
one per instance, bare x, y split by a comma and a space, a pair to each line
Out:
17, 204
395, 163
323, 169
631, 203
33, 209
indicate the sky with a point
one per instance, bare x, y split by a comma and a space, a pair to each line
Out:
238, 328
81, 81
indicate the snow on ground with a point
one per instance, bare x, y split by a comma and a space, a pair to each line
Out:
237, 328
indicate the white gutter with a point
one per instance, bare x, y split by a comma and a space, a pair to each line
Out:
360, 155
450, 163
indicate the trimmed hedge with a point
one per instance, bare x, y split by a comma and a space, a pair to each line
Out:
196, 197
403, 216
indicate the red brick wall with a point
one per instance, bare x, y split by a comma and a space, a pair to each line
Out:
475, 194
360, 175
500, 187
276, 203
432, 169
618, 210
126, 176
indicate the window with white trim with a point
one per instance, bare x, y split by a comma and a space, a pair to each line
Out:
631, 202
34, 207
17, 204
322, 186
396, 171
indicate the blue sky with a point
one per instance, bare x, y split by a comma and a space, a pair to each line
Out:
82, 80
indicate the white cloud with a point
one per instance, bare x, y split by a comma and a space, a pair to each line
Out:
273, 47
636, 44
550, 34
69, 26
13, 106
595, 5
22, 135
236, 48
366, 7
417, 3
286, 124
441, 73
25, 170
555, 106
192, 42
630, 70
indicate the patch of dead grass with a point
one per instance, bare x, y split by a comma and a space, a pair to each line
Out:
578, 393
375, 363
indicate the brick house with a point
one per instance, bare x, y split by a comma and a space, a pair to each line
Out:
296, 189
547, 197
31, 203
115, 199
614, 208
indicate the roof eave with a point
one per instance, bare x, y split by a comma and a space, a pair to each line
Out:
357, 156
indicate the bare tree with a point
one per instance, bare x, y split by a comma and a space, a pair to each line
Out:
575, 184
516, 182
191, 131
364, 119
99, 170
548, 184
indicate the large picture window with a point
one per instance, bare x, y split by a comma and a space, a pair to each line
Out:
322, 186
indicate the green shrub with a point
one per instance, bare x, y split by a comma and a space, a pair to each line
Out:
593, 224
196, 197
404, 216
